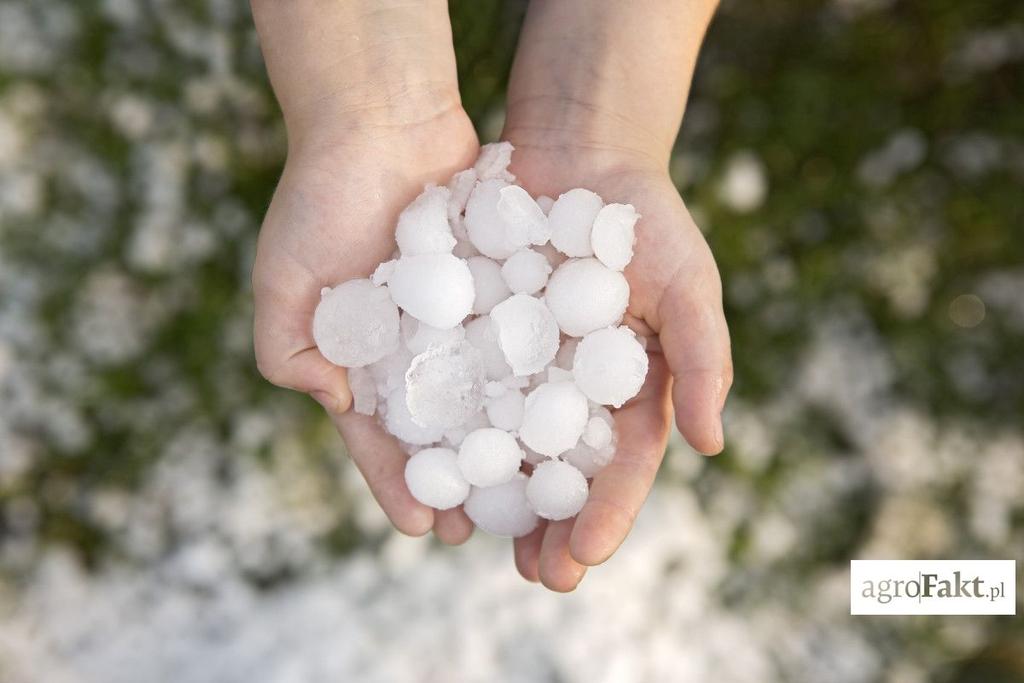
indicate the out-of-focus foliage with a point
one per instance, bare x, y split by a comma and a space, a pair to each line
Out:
857, 165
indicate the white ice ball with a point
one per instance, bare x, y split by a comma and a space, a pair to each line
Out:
610, 366
434, 288
481, 333
488, 230
614, 234
355, 324
526, 271
506, 411
571, 219
584, 296
445, 385
502, 510
527, 333
554, 417
521, 214
423, 225
598, 432
488, 283
398, 422
488, 457
434, 478
556, 490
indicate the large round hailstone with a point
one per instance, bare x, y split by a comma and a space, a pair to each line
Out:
445, 385
434, 288
487, 230
584, 296
434, 478
556, 490
571, 219
423, 225
521, 214
502, 510
610, 366
526, 271
481, 333
398, 422
355, 324
488, 284
614, 234
488, 457
506, 411
554, 416
527, 333
418, 336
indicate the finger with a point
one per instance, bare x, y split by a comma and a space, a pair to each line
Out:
619, 490
695, 340
527, 552
452, 527
382, 463
557, 569
283, 335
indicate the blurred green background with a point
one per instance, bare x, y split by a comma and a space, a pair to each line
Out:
858, 168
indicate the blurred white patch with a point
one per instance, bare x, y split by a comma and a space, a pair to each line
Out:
744, 184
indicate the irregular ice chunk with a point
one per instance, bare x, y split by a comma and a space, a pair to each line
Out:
493, 161
398, 421
418, 336
571, 219
355, 324
488, 283
502, 510
526, 271
545, 203
445, 385
585, 296
481, 333
506, 411
614, 234
434, 288
460, 187
488, 230
556, 490
521, 214
554, 417
610, 366
488, 457
434, 479
423, 225
598, 432
527, 333
364, 390
382, 273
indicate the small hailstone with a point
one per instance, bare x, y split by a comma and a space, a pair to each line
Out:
423, 225
488, 230
493, 161
481, 333
460, 187
434, 479
364, 390
526, 271
554, 417
502, 510
382, 273
545, 203
571, 219
434, 288
527, 333
488, 457
398, 421
488, 284
445, 385
453, 437
613, 235
598, 433
566, 352
610, 366
521, 213
589, 460
418, 336
585, 296
556, 490
355, 324
506, 411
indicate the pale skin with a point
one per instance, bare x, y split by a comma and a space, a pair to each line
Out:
370, 99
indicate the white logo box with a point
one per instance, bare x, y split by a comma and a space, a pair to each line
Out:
933, 587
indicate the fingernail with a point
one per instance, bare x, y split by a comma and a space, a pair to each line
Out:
329, 402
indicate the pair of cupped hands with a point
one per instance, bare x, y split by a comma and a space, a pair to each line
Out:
332, 219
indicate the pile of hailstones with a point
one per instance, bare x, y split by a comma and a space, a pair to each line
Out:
507, 348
